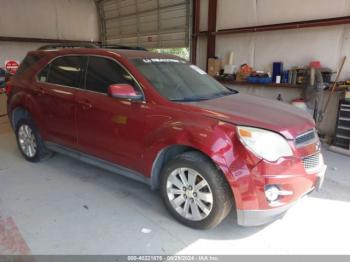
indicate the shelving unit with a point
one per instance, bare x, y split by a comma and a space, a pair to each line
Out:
342, 133
244, 83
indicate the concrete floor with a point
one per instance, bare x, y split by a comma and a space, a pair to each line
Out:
63, 206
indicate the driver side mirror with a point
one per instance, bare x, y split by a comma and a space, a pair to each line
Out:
124, 91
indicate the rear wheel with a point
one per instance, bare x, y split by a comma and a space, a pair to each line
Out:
29, 141
195, 191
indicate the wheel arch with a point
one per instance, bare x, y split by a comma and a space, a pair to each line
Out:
17, 114
24, 105
167, 154
163, 157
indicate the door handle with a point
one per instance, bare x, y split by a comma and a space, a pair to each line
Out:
39, 91
85, 104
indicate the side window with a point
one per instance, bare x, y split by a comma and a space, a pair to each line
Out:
103, 72
66, 70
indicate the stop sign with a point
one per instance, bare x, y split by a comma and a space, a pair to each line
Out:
11, 66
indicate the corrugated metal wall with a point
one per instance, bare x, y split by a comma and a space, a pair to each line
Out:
147, 23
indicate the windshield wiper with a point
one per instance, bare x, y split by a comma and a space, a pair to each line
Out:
201, 98
187, 99
232, 90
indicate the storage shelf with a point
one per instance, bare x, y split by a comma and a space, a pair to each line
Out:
245, 83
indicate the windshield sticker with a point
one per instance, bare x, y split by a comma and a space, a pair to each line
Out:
161, 60
198, 70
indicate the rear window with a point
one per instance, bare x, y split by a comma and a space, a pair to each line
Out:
27, 62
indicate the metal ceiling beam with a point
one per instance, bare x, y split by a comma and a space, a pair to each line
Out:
284, 26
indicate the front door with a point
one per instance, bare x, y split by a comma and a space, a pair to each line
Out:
109, 128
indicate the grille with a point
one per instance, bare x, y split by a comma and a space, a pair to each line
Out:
311, 162
306, 138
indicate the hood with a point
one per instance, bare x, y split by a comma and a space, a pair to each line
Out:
241, 109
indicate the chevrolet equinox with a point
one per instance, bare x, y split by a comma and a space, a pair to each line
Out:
160, 120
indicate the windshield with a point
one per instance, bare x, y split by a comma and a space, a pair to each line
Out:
178, 81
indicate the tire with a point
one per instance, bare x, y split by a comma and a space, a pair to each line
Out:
216, 195
27, 135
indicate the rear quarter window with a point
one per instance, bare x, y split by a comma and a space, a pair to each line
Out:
27, 63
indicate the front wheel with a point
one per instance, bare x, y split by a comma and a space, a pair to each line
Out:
29, 141
195, 191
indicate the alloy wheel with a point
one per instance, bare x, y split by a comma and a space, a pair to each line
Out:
189, 194
27, 141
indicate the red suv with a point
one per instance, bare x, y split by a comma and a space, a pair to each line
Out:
165, 122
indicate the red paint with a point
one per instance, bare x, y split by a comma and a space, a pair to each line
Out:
11, 240
133, 133
7, 89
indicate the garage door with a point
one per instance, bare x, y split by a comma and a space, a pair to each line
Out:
146, 23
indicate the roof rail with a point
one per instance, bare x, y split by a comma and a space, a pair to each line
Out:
123, 47
68, 45
89, 45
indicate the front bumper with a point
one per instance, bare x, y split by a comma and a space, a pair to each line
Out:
260, 217
264, 216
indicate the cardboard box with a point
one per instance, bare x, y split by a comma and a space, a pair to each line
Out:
3, 101
214, 66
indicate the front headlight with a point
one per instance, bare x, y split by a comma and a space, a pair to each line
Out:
264, 144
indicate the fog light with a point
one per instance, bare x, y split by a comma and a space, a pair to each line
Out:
272, 193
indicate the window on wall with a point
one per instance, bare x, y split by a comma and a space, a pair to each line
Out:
66, 71
146, 23
103, 72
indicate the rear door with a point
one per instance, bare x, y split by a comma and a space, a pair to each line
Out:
110, 128
56, 86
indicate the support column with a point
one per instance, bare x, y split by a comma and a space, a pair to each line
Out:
212, 10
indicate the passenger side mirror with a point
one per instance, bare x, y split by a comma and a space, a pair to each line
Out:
124, 91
